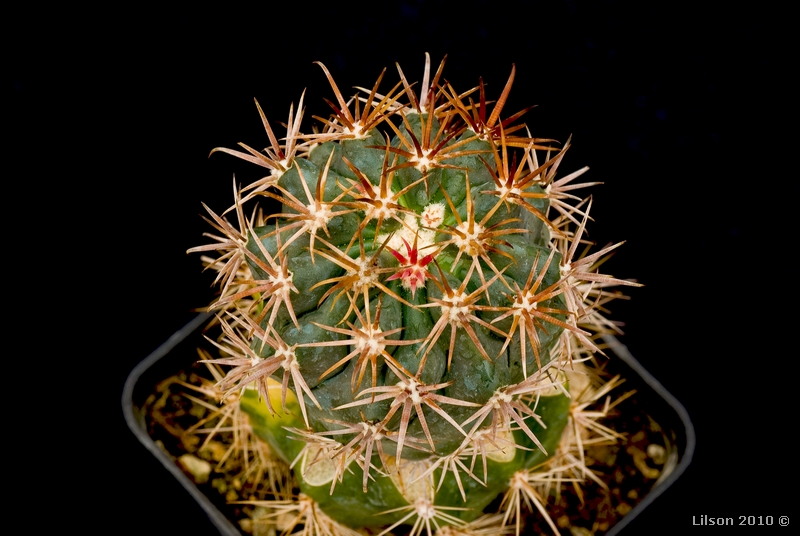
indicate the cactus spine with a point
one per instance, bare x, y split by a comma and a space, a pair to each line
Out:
401, 328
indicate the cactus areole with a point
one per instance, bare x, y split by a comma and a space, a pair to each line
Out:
397, 329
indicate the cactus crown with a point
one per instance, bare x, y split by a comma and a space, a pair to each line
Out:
409, 305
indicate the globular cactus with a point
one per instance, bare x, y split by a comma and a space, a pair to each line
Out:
400, 324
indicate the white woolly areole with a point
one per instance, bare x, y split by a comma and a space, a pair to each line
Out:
505, 191
357, 131
366, 275
411, 221
425, 508
277, 173
432, 215
518, 480
409, 232
373, 430
453, 307
288, 356
500, 397
410, 387
526, 302
384, 211
282, 280
320, 217
422, 162
371, 339
471, 243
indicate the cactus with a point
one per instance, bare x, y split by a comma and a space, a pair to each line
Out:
404, 309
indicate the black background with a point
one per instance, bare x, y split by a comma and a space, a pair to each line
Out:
684, 110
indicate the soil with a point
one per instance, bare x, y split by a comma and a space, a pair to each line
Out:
629, 468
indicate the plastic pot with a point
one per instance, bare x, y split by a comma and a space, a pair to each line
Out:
179, 351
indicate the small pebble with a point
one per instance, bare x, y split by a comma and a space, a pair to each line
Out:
623, 508
199, 469
657, 453
220, 484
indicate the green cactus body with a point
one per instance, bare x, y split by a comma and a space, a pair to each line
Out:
404, 313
